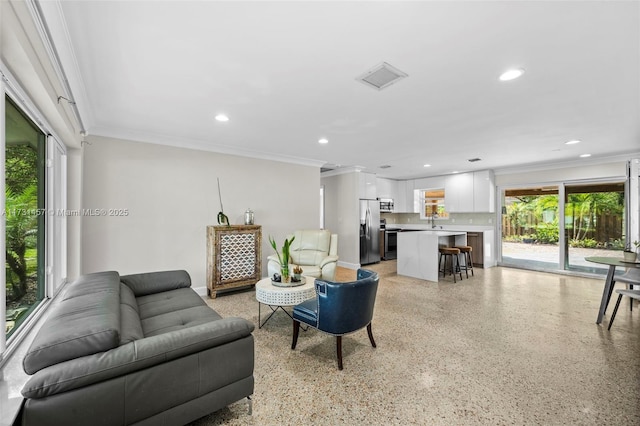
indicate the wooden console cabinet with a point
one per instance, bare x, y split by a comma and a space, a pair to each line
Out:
234, 257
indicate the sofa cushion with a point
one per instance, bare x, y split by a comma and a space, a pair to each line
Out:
173, 310
310, 247
130, 326
84, 322
156, 282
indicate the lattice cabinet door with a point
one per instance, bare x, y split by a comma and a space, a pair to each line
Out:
234, 257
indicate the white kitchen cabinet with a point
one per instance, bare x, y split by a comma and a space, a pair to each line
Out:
458, 193
484, 190
400, 198
472, 192
405, 190
367, 186
386, 188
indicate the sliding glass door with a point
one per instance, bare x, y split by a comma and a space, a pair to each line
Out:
554, 227
594, 223
530, 227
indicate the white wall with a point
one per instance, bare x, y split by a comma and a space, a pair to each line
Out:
616, 169
341, 216
171, 195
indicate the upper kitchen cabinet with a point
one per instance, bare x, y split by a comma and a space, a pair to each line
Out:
458, 193
386, 188
484, 192
470, 192
401, 201
367, 186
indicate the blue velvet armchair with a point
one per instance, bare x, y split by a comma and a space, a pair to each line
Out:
339, 308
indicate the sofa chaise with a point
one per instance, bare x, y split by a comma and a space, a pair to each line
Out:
140, 349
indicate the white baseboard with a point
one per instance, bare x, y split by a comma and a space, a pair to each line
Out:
353, 266
202, 291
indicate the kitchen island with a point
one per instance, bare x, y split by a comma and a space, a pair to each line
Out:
418, 251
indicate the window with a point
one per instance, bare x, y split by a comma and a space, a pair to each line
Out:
34, 215
24, 216
432, 201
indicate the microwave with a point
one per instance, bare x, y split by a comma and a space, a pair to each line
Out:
386, 205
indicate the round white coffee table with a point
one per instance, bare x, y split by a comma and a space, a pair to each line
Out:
278, 297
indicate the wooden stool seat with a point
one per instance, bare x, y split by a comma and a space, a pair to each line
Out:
449, 250
468, 259
451, 253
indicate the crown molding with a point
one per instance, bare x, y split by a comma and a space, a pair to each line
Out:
200, 145
535, 167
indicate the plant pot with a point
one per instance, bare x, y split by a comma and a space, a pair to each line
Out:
629, 256
298, 277
284, 272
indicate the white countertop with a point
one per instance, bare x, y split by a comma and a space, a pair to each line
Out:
437, 232
457, 228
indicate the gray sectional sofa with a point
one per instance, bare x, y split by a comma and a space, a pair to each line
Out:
140, 349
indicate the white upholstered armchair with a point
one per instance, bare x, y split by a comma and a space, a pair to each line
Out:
314, 250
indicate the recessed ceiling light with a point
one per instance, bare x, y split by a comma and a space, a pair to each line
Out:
323, 140
511, 74
585, 155
427, 165
222, 117
573, 142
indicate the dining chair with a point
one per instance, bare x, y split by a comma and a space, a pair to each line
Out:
631, 278
633, 294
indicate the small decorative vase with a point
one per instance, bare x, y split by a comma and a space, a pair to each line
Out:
284, 272
629, 256
298, 277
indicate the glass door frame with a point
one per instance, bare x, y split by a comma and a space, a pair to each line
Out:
502, 206
563, 253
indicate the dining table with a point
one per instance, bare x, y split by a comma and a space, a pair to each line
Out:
609, 283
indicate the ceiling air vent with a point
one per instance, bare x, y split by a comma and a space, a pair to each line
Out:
381, 76
385, 166
473, 160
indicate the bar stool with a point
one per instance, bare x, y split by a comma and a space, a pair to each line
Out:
451, 253
468, 259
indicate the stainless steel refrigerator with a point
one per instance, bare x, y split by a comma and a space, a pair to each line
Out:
369, 231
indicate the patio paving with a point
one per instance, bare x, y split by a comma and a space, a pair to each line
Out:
547, 254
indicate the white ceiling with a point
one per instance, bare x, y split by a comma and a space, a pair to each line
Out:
285, 73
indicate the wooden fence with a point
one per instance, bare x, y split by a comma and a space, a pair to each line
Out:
607, 227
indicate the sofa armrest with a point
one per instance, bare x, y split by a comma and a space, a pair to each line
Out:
134, 356
327, 260
156, 282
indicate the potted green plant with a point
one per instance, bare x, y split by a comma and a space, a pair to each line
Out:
297, 273
284, 258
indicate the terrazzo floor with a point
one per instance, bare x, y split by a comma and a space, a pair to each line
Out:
507, 346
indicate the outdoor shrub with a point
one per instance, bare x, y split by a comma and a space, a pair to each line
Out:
547, 233
617, 244
584, 243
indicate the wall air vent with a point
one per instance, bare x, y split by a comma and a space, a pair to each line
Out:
381, 76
